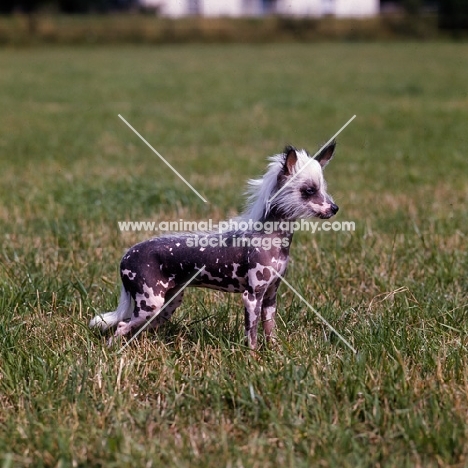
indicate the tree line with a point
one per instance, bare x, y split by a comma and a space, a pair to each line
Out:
452, 14
66, 6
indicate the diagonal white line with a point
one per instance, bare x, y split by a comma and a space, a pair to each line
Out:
163, 160
316, 313
303, 167
160, 310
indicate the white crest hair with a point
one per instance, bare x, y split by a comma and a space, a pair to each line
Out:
260, 191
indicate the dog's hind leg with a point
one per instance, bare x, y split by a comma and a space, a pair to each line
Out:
148, 302
167, 310
139, 318
151, 309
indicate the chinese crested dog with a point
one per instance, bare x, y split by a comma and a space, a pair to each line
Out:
249, 260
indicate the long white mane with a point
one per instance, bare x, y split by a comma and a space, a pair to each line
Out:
260, 191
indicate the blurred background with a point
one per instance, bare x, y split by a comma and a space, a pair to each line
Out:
153, 21
216, 87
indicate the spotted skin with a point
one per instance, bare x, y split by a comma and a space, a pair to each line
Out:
155, 271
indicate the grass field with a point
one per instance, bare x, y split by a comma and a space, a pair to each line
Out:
192, 395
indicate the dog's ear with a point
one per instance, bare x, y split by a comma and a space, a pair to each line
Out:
290, 160
326, 154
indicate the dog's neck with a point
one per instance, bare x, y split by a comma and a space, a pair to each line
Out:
273, 216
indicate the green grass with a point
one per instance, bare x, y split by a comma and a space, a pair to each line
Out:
192, 395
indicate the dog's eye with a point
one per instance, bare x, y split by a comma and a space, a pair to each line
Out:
309, 191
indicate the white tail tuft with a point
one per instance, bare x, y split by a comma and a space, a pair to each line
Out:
110, 319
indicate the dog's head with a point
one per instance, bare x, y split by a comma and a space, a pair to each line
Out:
302, 190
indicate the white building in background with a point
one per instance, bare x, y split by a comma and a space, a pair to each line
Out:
236, 8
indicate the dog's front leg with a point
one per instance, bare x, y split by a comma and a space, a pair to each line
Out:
253, 306
269, 311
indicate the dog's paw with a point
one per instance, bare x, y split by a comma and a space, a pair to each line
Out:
123, 328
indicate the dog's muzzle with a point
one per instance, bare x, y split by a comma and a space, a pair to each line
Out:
330, 212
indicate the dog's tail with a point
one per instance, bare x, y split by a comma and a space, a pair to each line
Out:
110, 319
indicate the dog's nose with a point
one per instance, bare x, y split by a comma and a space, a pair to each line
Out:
334, 208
